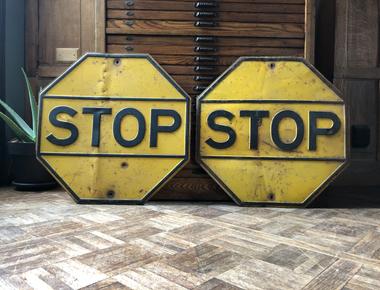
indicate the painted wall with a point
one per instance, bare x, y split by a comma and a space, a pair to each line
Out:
3, 162
12, 88
14, 52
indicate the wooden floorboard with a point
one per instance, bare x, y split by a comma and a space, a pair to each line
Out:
49, 242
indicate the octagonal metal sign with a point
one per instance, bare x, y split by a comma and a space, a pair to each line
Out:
271, 131
113, 128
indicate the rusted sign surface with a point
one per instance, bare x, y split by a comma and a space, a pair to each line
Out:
113, 128
271, 130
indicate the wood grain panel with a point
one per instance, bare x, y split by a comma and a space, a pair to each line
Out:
31, 37
87, 23
68, 24
165, 29
240, 16
358, 52
163, 41
190, 79
189, 50
189, 60
50, 242
283, 30
253, 1
53, 24
255, 7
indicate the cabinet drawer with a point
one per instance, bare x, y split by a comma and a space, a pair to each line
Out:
194, 16
231, 6
191, 85
208, 50
191, 60
185, 28
166, 40
194, 70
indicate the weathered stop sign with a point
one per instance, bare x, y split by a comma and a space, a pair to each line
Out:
113, 128
271, 130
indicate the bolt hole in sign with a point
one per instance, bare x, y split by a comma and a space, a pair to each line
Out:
271, 131
113, 128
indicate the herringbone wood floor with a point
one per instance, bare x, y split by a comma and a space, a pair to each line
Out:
49, 242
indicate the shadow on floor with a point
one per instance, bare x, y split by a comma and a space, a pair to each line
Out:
348, 197
332, 197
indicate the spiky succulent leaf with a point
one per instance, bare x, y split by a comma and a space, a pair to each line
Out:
21, 134
32, 101
18, 120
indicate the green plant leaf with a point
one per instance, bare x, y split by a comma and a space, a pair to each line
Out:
22, 135
18, 120
32, 101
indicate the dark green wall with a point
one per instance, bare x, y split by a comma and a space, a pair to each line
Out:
14, 51
3, 159
11, 60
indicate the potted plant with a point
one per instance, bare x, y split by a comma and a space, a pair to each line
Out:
27, 173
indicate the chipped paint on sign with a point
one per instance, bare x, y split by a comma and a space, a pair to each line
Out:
113, 128
271, 131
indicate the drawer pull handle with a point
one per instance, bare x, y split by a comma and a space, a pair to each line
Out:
205, 5
204, 68
129, 3
204, 49
205, 24
199, 88
204, 78
205, 59
129, 23
129, 48
205, 39
204, 14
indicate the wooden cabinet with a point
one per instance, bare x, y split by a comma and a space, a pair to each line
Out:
357, 74
58, 32
195, 41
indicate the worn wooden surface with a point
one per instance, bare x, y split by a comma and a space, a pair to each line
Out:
357, 75
167, 30
52, 24
49, 242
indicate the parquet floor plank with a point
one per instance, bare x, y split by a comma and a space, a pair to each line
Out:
49, 242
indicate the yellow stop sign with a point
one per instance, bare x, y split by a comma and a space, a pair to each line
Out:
113, 128
271, 131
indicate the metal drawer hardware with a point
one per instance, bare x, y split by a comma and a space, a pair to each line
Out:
205, 5
204, 78
130, 13
204, 14
129, 22
129, 3
199, 88
204, 49
200, 68
129, 48
205, 24
205, 59
206, 19
205, 39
